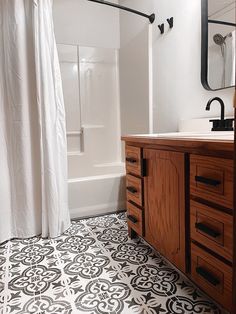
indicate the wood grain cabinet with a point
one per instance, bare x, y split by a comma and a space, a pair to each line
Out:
180, 199
135, 218
212, 179
212, 275
134, 189
133, 158
211, 226
164, 187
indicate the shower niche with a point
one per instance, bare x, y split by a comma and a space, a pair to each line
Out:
218, 44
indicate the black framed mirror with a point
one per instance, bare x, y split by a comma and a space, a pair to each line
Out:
218, 44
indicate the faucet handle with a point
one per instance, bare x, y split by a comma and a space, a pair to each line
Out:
222, 125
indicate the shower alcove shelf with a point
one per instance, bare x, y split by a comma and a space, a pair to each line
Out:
180, 199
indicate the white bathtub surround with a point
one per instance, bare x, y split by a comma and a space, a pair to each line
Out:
33, 186
97, 194
96, 173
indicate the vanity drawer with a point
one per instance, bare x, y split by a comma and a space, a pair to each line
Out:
135, 218
133, 160
212, 179
212, 228
134, 190
212, 275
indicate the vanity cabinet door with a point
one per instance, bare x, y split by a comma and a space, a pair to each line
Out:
164, 188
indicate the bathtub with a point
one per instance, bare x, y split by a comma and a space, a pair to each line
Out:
100, 193
96, 176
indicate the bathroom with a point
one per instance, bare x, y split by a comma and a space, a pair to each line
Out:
110, 209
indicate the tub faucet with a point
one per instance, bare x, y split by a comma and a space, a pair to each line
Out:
221, 124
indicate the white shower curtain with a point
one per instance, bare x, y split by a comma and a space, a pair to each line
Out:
33, 161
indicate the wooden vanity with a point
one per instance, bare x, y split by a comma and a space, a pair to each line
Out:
180, 200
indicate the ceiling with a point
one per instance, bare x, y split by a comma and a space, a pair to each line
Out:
216, 7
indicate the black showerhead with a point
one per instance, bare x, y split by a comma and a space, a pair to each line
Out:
219, 39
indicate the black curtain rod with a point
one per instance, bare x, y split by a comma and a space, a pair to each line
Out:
221, 22
150, 17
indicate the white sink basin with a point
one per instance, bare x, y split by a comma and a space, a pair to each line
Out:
224, 135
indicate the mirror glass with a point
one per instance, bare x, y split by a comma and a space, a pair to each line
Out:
218, 43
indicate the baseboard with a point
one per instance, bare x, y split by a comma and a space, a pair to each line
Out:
97, 210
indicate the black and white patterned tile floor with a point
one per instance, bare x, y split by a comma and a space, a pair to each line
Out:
93, 268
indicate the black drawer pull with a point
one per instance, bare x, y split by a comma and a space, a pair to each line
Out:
132, 189
207, 181
209, 231
132, 219
144, 167
208, 276
131, 160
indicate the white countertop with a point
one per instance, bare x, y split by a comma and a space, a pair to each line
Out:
221, 135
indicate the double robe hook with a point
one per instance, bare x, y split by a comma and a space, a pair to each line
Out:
162, 26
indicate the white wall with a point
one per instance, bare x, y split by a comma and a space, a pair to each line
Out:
178, 93
134, 84
84, 23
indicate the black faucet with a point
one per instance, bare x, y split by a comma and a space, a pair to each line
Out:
221, 124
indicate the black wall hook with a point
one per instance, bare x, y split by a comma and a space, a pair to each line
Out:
171, 22
162, 28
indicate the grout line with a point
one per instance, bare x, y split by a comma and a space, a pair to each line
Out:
115, 264
168, 265
63, 276
203, 295
6, 281
31, 266
139, 295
